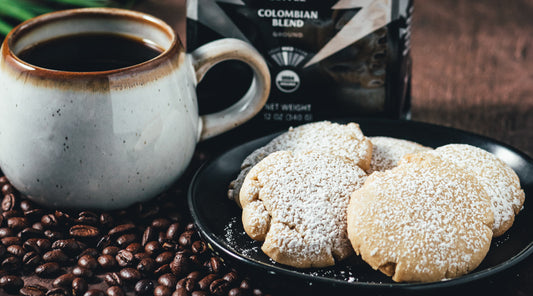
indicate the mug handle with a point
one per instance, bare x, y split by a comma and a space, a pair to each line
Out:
205, 57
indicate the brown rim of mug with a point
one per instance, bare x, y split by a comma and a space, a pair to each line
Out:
21, 66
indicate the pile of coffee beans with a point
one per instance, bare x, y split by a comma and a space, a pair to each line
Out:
148, 249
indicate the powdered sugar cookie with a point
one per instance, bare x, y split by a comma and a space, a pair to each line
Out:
387, 151
424, 220
296, 203
499, 180
345, 140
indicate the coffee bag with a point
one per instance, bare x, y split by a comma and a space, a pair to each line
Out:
328, 59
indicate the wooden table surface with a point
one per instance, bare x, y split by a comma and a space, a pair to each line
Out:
472, 70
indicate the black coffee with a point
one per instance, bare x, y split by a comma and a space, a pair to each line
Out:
90, 52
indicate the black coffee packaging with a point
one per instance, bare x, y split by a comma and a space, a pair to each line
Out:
327, 58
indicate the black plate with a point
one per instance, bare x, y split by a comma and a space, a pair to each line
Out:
218, 218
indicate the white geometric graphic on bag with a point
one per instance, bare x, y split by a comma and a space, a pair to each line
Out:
209, 14
373, 15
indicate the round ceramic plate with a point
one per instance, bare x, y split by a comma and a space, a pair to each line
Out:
219, 219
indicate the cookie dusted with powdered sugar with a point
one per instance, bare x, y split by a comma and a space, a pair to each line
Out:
296, 203
345, 140
425, 220
499, 180
387, 151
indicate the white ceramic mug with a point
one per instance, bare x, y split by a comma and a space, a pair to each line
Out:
108, 139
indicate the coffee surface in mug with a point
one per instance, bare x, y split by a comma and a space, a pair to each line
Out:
90, 52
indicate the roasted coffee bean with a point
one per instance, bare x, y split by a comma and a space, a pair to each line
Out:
49, 221
87, 261
90, 251
164, 258
126, 239
162, 291
3, 251
181, 283
63, 217
146, 266
161, 223
82, 272
115, 291
162, 237
219, 287
245, 285
16, 250
87, 218
173, 232
190, 227
180, 265
121, 229
34, 215
144, 287
69, 246
111, 250
3, 180
56, 255
186, 238
94, 292
125, 258
7, 189
181, 292
11, 283
149, 234
165, 268
104, 242
152, 247
113, 279
64, 281
38, 226
27, 205
47, 269
231, 276
235, 292
29, 232
129, 274
198, 247
170, 246
54, 235
141, 256
84, 231
33, 290
206, 281
134, 248
11, 240
6, 232
192, 281
106, 220
168, 279
107, 261
11, 264
257, 292
31, 259
11, 214
199, 293
215, 265
44, 244
79, 286
9, 202
58, 292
